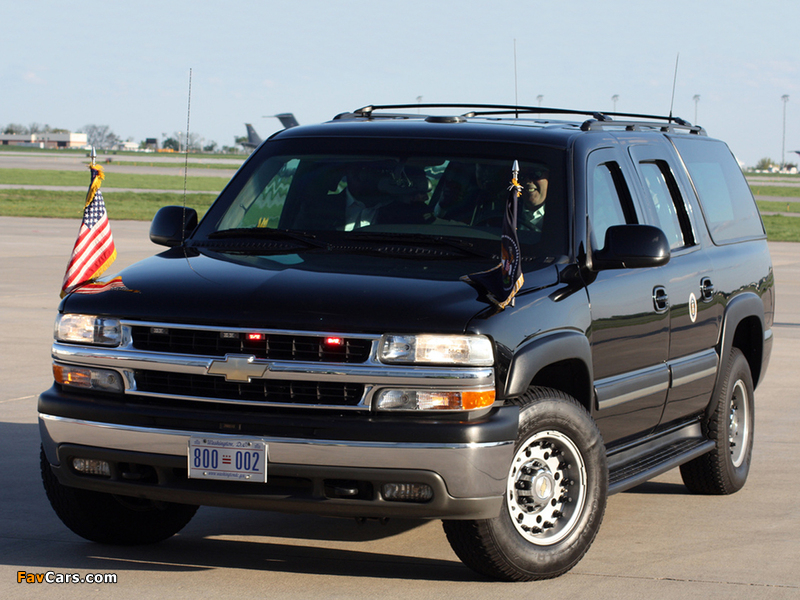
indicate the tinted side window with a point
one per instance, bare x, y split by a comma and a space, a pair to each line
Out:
609, 201
728, 206
666, 198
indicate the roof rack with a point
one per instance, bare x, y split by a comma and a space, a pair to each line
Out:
598, 119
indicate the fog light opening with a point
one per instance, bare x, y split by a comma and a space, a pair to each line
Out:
407, 492
91, 466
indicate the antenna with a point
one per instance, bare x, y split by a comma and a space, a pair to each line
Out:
186, 159
516, 98
674, 81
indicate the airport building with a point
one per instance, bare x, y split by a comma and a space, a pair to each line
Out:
45, 140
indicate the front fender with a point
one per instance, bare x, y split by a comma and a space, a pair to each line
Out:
551, 349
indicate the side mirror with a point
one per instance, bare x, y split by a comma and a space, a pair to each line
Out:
632, 247
169, 228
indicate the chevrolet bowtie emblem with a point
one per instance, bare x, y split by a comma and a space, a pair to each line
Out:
238, 367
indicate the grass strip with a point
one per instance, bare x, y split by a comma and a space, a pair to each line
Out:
174, 165
112, 180
69, 205
781, 228
778, 207
775, 191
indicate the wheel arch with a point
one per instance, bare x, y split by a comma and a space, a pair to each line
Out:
743, 328
561, 360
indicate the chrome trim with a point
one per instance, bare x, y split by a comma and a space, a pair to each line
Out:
297, 332
694, 367
631, 396
676, 373
362, 405
469, 470
372, 373
403, 375
710, 372
627, 387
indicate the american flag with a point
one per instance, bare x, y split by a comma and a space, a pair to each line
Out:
94, 249
97, 287
502, 282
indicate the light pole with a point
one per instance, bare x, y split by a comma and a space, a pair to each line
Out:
785, 99
614, 99
696, 99
539, 99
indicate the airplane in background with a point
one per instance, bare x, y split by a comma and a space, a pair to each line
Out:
254, 140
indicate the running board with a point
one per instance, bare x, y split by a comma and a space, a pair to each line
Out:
632, 465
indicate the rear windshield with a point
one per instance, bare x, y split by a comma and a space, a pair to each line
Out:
342, 189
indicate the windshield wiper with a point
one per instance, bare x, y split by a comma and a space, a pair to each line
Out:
419, 239
272, 234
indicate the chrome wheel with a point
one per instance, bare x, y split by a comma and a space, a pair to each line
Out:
739, 423
546, 488
555, 495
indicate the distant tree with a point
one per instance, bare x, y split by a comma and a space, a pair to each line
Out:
212, 147
59, 130
100, 136
170, 143
15, 129
765, 164
195, 141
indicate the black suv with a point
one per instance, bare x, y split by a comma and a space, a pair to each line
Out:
320, 341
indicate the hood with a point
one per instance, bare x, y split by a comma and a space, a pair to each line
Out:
307, 291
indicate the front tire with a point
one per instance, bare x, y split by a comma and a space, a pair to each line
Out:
110, 519
724, 470
555, 496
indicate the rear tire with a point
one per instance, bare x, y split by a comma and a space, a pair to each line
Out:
555, 496
111, 519
724, 470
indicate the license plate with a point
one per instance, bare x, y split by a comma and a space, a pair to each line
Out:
234, 459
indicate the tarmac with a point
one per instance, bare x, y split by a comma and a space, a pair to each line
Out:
656, 541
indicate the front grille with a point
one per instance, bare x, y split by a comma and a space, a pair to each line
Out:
308, 348
264, 390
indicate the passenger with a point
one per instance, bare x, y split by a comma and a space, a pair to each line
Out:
534, 180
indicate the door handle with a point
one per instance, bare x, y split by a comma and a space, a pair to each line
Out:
707, 289
660, 299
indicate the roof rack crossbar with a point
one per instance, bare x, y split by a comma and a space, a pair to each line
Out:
670, 127
478, 110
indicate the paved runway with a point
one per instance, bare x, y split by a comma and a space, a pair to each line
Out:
151, 164
656, 541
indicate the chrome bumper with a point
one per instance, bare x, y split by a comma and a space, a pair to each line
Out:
470, 470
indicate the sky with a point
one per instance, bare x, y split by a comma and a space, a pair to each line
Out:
127, 64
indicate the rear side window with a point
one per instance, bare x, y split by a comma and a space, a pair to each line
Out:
728, 205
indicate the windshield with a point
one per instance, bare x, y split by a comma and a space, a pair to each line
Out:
426, 195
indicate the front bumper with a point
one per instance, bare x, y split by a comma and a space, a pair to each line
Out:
305, 475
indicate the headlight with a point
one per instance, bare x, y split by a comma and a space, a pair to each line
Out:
87, 329
466, 350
